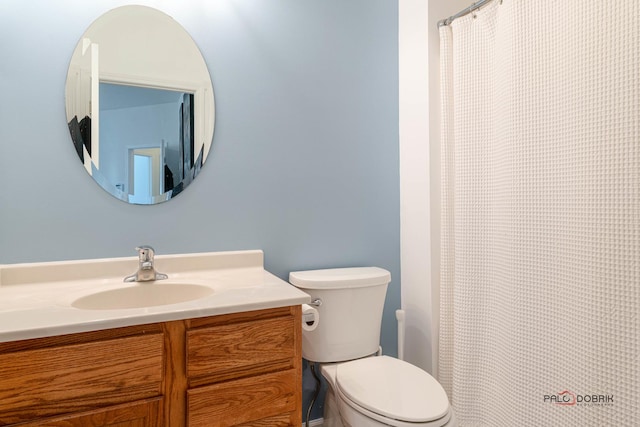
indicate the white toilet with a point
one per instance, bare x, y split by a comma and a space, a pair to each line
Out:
365, 390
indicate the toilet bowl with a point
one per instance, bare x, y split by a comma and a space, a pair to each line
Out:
383, 391
365, 390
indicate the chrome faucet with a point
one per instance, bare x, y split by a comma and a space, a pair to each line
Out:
146, 271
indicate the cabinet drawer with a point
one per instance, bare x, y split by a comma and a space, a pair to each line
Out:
243, 402
136, 414
227, 351
71, 378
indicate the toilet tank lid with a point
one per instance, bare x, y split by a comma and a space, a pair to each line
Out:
340, 278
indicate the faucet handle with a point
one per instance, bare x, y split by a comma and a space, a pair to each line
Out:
145, 253
146, 270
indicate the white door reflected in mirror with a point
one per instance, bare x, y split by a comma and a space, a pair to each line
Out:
144, 179
142, 176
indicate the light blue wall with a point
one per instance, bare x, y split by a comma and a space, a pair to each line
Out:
304, 162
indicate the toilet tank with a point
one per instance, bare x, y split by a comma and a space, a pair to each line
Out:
350, 313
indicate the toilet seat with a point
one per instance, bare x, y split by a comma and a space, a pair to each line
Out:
392, 392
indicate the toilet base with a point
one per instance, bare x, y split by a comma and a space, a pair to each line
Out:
331, 411
335, 416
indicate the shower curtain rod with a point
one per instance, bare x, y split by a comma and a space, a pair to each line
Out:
473, 7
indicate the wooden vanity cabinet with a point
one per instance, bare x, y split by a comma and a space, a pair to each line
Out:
241, 369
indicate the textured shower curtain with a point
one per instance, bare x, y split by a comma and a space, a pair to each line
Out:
540, 273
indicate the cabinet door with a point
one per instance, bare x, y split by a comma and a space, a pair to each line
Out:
230, 351
136, 414
54, 381
253, 401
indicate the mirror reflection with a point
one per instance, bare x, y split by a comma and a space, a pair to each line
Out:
139, 105
153, 130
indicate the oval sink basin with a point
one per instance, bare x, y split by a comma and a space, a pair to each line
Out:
142, 295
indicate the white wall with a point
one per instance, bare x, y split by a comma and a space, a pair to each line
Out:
415, 260
419, 119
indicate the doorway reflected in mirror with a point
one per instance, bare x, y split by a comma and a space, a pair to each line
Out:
138, 123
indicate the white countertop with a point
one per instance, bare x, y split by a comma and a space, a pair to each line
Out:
36, 299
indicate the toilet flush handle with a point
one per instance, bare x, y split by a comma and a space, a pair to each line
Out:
316, 302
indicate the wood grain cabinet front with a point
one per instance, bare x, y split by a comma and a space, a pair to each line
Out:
245, 370
136, 414
241, 402
241, 369
43, 378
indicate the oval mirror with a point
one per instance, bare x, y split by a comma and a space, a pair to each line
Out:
139, 104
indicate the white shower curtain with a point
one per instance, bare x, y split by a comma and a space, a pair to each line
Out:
540, 272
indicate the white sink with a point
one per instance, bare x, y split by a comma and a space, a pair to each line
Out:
142, 295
